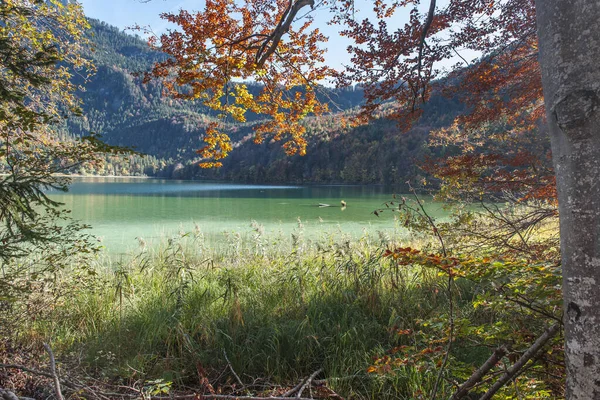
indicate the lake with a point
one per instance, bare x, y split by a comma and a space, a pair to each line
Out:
123, 209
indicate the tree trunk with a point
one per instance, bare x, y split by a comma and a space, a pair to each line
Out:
569, 41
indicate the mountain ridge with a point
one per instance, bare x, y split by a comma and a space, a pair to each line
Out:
126, 112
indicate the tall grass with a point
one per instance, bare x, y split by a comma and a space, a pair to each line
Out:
278, 312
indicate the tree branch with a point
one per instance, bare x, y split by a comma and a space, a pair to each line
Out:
308, 382
53, 371
517, 367
283, 27
422, 43
478, 375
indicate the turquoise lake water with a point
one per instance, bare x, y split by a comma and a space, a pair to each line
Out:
123, 209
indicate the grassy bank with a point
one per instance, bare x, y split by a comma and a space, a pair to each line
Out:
277, 315
176, 314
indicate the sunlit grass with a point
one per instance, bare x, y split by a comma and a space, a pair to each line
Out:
279, 308
279, 312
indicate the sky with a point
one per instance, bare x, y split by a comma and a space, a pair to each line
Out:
126, 13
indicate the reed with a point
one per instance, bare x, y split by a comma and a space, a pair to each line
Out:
279, 312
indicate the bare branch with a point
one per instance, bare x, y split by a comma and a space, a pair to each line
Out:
422, 43
478, 375
308, 382
232, 370
293, 390
517, 368
53, 371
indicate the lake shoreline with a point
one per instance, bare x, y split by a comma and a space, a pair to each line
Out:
233, 182
119, 210
105, 176
97, 176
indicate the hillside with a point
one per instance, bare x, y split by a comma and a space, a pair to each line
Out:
126, 112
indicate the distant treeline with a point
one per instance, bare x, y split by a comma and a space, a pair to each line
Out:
126, 112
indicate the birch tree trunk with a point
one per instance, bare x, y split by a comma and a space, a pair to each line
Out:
569, 40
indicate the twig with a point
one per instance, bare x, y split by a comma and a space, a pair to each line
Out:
431, 221
478, 375
458, 54
232, 370
53, 371
26, 369
530, 307
66, 383
293, 390
440, 238
308, 382
517, 367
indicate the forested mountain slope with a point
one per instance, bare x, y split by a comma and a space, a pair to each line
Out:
126, 112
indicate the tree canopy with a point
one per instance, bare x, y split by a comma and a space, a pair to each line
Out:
42, 46
274, 43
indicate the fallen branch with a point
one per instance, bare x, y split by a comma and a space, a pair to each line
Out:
69, 384
26, 369
308, 382
293, 390
319, 382
233, 371
478, 375
40, 373
517, 367
53, 371
7, 395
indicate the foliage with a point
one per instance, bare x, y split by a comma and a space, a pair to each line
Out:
510, 253
493, 152
375, 321
427, 316
496, 138
521, 297
42, 46
240, 41
256, 39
